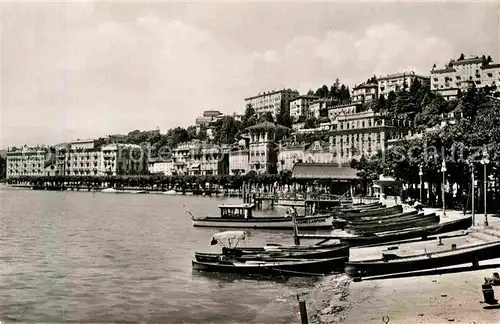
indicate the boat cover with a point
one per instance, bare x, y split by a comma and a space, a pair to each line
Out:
228, 235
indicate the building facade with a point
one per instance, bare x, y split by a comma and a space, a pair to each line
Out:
318, 107
464, 74
161, 166
80, 158
239, 160
271, 101
365, 92
398, 81
300, 106
123, 159
358, 134
263, 146
26, 161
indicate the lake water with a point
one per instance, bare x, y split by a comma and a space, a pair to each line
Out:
101, 257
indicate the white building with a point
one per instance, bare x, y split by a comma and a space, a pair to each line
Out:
464, 74
26, 161
121, 159
271, 101
317, 106
161, 166
398, 81
365, 92
300, 106
239, 160
358, 134
81, 158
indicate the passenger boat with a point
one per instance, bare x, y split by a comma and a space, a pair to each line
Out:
240, 216
451, 226
419, 220
469, 254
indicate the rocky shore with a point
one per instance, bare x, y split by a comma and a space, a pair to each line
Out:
329, 302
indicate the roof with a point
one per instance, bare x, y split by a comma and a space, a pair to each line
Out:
446, 70
366, 85
490, 66
332, 171
263, 94
240, 206
268, 125
468, 61
305, 97
400, 75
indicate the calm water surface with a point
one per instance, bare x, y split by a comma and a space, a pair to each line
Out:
99, 257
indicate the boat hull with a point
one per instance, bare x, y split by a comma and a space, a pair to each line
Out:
424, 262
456, 225
285, 267
279, 253
312, 222
393, 225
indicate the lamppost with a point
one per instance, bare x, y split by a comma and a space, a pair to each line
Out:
421, 173
471, 164
443, 170
485, 161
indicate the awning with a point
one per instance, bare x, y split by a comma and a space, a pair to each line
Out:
323, 171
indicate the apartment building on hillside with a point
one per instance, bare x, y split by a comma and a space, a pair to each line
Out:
271, 101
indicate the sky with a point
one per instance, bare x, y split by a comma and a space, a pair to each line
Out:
87, 69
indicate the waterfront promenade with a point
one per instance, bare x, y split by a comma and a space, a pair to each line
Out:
453, 295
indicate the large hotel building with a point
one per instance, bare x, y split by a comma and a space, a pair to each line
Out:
271, 101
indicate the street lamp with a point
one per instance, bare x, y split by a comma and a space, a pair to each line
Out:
443, 170
421, 173
485, 161
471, 164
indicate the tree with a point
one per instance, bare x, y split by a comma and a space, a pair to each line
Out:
247, 119
489, 59
266, 117
3, 167
226, 130
191, 130
283, 117
462, 57
310, 92
311, 123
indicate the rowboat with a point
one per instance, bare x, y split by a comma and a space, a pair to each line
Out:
240, 216
370, 212
470, 254
298, 264
383, 218
281, 267
276, 253
451, 226
419, 220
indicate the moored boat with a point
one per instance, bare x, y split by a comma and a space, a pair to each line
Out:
281, 267
469, 254
370, 228
446, 227
240, 216
276, 253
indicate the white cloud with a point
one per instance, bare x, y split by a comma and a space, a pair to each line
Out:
110, 76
